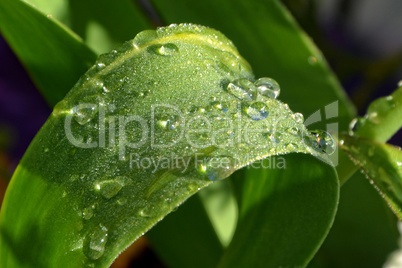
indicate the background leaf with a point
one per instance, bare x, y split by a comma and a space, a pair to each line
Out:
53, 65
102, 24
285, 213
364, 232
192, 232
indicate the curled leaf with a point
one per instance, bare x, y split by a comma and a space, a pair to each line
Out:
147, 126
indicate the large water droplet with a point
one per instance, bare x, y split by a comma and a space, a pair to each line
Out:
268, 87
109, 188
217, 168
95, 242
168, 49
242, 89
144, 37
321, 141
256, 110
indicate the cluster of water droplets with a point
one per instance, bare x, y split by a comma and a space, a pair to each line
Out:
253, 97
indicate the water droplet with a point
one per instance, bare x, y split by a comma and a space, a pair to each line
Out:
105, 89
217, 168
84, 113
275, 137
291, 146
256, 110
373, 117
268, 87
109, 188
87, 213
144, 213
46, 150
144, 37
400, 83
355, 125
218, 106
95, 242
293, 130
169, 122
321, 141
100, 65
242, 89
298, 117
168, 49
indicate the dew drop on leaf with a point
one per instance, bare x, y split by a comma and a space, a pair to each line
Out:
168, 122
218, 106
144, 37
256, 110
109, 188
242, 89
83, 114
217, 168
100, 65
298, 117
293, 131
87, 213
274, 136
355, 125
168, 49
321, 141
268, 87
95, 242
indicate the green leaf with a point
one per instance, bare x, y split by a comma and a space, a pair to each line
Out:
364, 232
382, 163
170, 238
382, 120
54, 57
102, 24
286, 211
145, 128
175, 240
